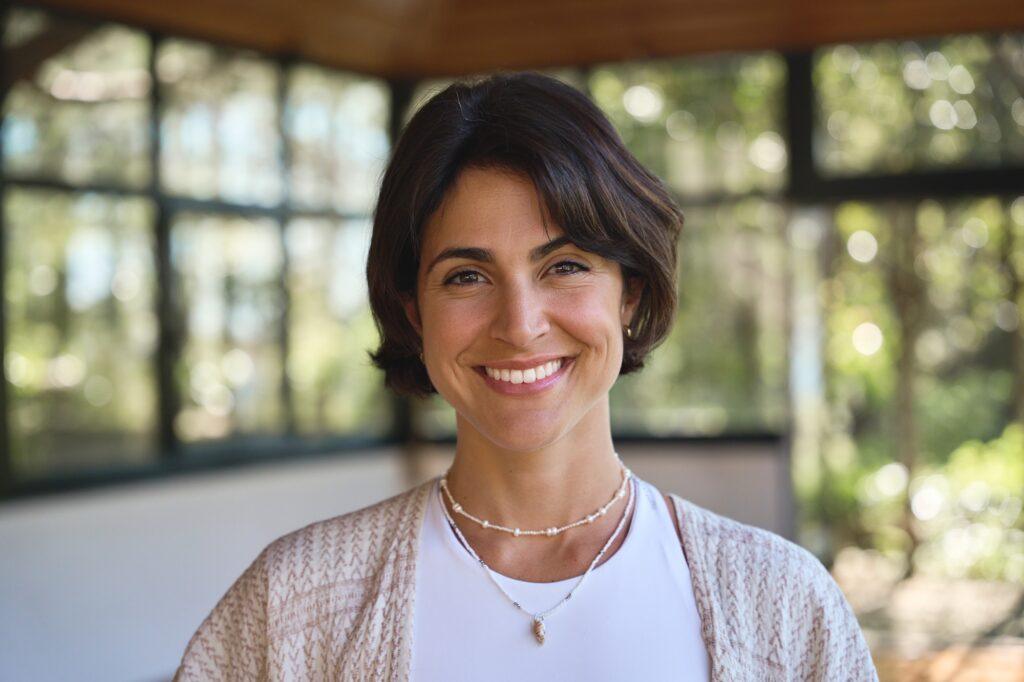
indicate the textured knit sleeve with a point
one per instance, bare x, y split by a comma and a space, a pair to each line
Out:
769, 610
837, 649
231, 643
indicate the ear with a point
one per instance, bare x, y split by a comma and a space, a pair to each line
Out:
632, 289
412, 313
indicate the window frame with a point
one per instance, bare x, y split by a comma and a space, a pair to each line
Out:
805, 187
171, 455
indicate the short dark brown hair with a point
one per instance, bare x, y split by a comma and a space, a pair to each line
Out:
604, 200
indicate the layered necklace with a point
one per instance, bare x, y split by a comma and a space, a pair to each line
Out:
538, 627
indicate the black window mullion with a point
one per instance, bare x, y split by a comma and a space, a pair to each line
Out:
948, 183
168, 317
799, 122
285, 64
6, 466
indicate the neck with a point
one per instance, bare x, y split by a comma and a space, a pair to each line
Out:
536, 489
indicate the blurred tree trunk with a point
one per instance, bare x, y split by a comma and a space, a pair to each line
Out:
907, 294
1007, 249
747, 336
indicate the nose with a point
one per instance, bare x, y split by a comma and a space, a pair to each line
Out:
521, 316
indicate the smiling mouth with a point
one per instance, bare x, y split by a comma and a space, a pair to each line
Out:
525, 376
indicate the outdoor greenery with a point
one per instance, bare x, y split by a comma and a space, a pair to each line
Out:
922, 351
269, 325
885, 335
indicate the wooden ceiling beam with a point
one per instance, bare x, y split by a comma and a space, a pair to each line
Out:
425, 38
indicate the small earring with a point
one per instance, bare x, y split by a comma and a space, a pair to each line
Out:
629, 332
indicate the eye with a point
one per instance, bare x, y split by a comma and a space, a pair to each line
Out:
568, 267
463, 277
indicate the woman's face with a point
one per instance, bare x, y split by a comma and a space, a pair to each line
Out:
522, 331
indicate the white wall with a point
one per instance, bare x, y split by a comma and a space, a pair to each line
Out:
749, 482
110, 584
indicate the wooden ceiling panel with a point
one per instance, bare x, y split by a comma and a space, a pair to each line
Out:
423, 38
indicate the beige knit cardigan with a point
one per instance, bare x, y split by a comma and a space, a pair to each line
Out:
334, 601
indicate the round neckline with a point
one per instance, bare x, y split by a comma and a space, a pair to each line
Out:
454, 542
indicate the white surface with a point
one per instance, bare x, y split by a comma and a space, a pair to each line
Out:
109, 585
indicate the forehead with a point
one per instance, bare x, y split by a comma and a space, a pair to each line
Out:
490, 207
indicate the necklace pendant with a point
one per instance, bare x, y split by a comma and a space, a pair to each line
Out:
538, 630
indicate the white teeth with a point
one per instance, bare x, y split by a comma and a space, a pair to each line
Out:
527, 376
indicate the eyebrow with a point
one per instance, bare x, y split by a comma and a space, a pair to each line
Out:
485, 256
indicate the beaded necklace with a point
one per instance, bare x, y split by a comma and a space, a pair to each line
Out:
550, 532
539, 631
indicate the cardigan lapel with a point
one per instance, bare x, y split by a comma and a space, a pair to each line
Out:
380, 647
724, 662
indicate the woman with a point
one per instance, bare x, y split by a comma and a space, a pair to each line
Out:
522, 260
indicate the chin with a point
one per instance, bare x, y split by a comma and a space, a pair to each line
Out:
521, 433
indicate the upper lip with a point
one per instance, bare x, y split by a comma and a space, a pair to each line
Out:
527, 363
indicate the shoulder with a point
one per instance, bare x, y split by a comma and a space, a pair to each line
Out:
770, 598
353, 539
731, 543
318, 576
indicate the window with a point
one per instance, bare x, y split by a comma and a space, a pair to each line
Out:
732, 286
80, 280
185, 228
219, 134
80, 114
337, 132
920, 299
333, 384
891, 107
706, 125
711, 127
230, 370
178, 297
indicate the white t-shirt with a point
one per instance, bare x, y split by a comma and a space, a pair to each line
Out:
633, 619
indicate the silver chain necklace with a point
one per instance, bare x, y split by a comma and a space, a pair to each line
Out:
539, 631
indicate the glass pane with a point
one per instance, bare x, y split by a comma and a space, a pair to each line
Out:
337, 128
229, 373
891, 107
732, 287
335, 388
81, 333
922, 328
219, 124
941, 272
705, 125
78, 106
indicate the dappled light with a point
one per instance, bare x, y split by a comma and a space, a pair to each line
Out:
186, 228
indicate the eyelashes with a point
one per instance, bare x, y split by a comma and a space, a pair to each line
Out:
564, 268
455, 281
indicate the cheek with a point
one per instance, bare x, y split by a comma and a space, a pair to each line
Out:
450, 325
589, 315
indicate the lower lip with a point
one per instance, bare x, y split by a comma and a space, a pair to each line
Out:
508, 388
